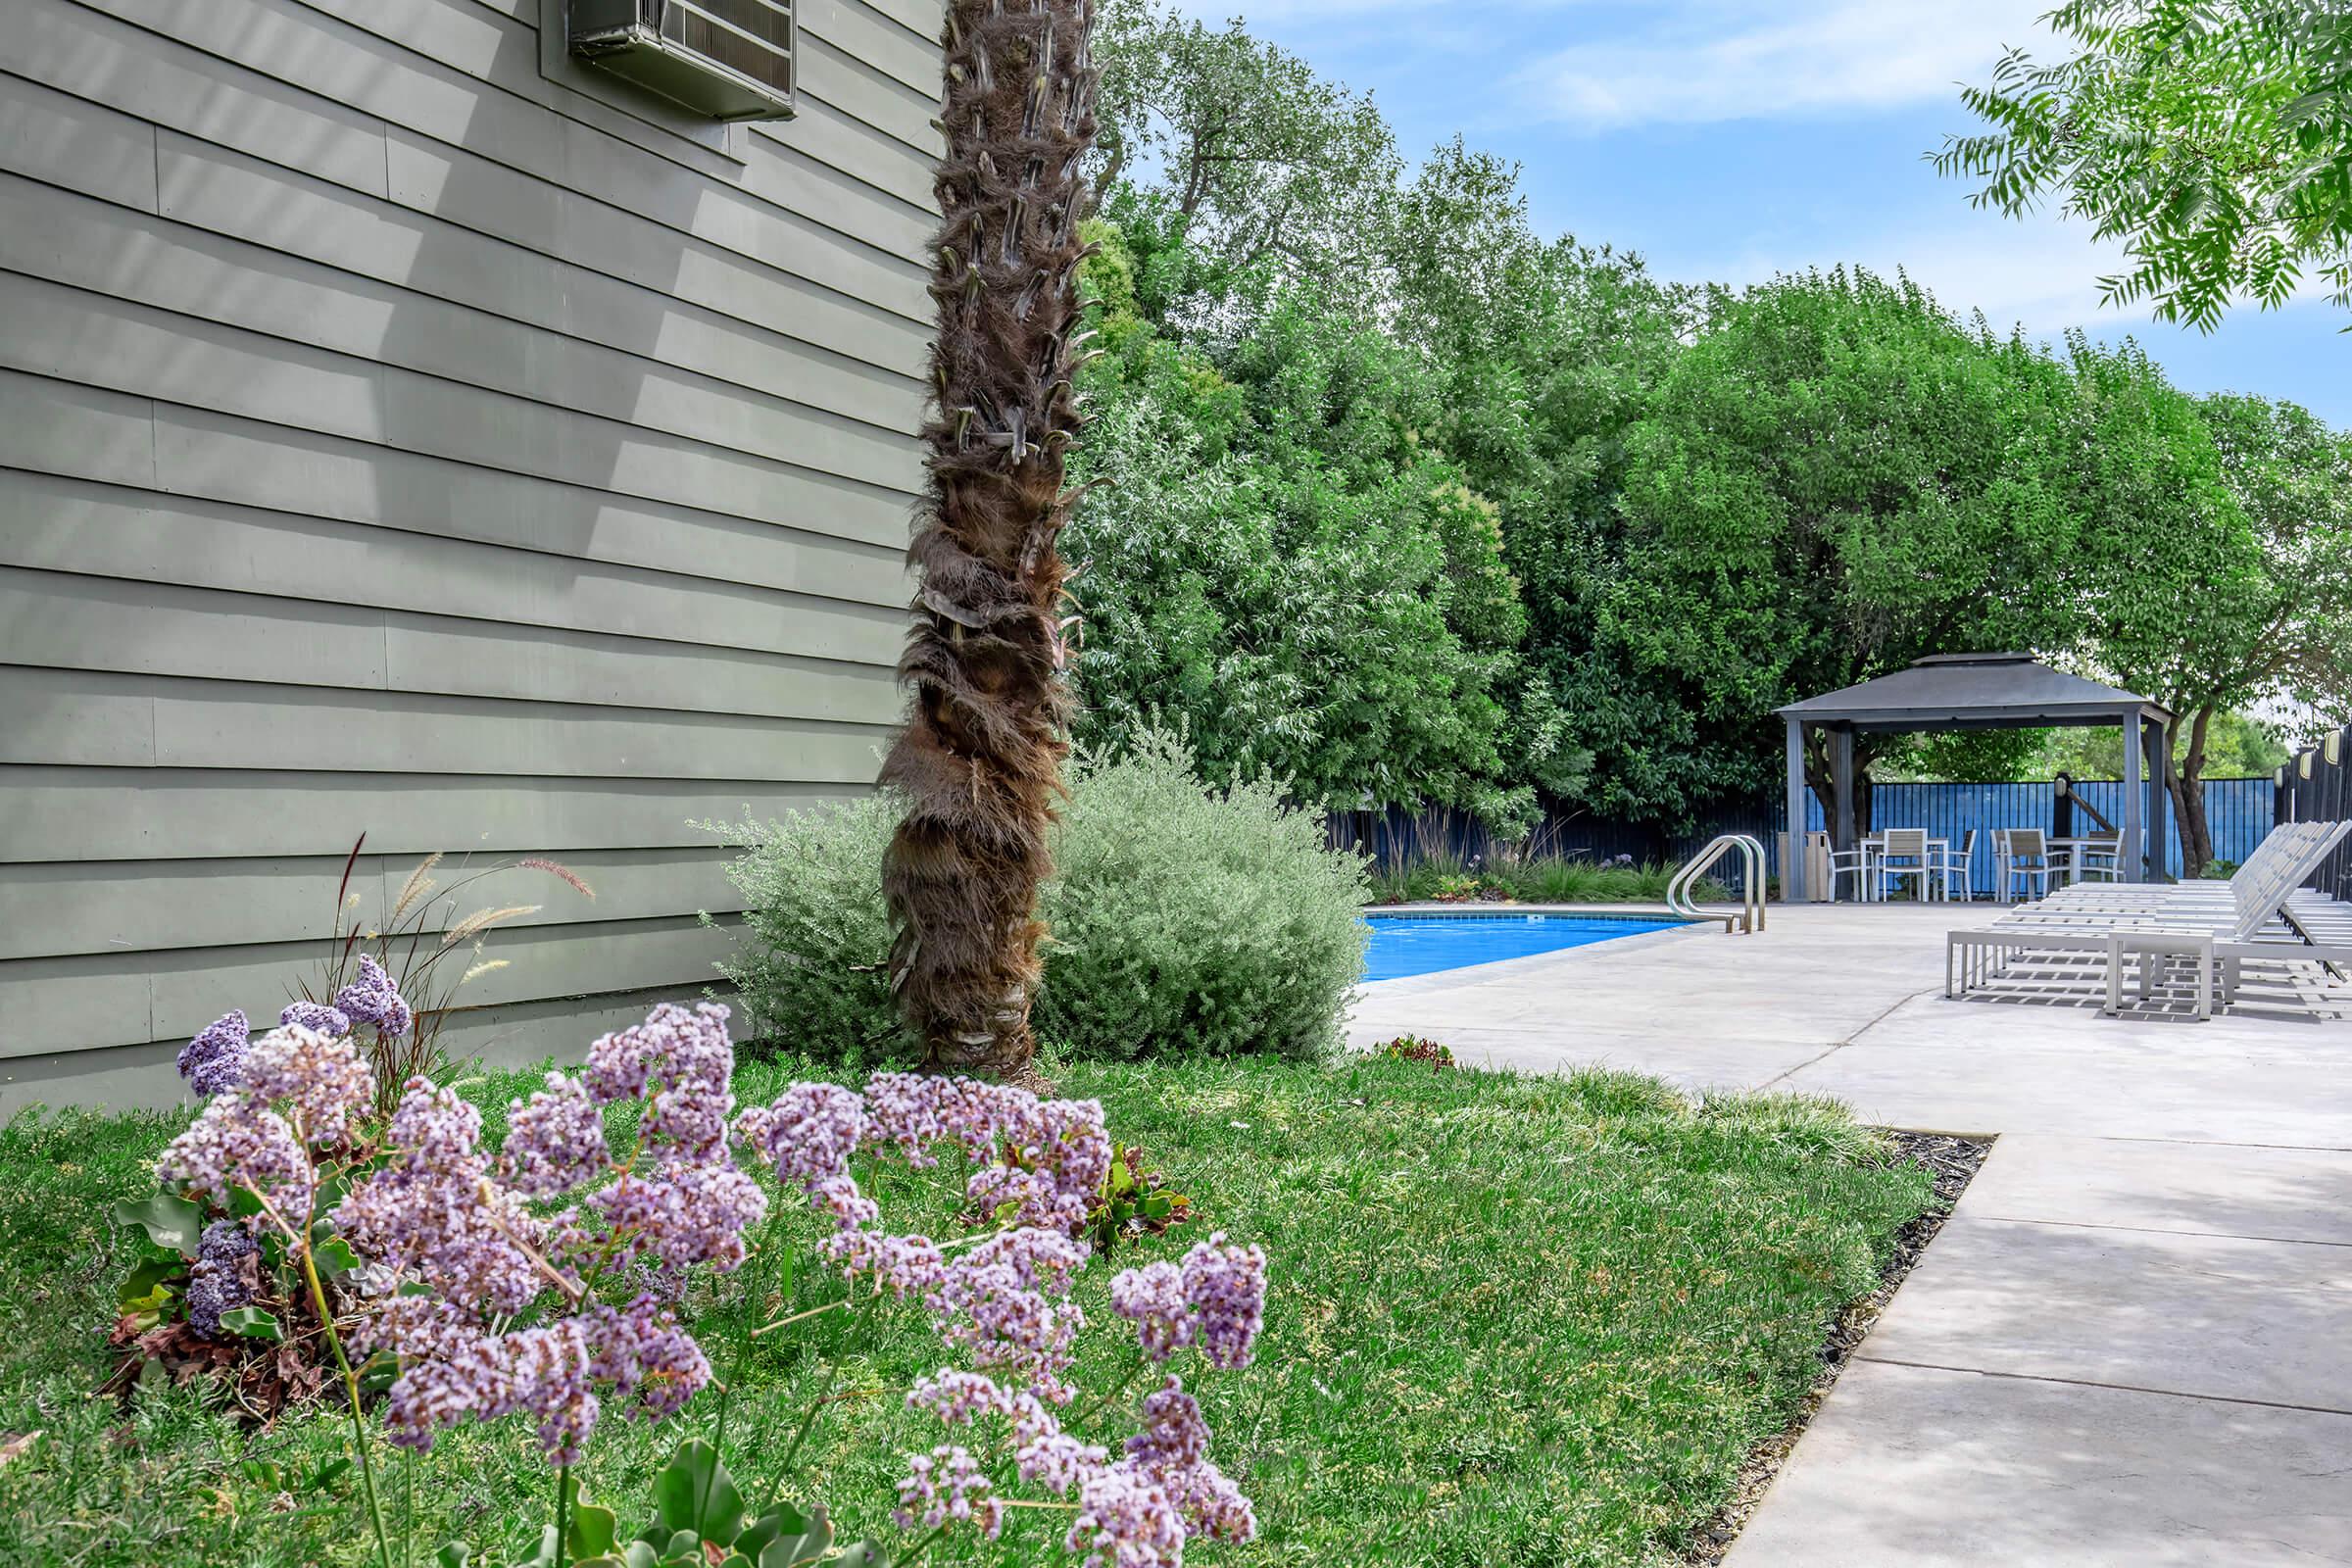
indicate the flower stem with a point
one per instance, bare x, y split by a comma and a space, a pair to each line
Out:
816, 1407
1142, 1365
920, 1547
787, 1322
351, 1395
562, 1512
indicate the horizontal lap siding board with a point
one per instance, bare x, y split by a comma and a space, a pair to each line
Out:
394, 440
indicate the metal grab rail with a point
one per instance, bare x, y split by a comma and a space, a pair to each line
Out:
1750, 918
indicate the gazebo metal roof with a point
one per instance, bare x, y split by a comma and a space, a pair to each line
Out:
1974, 690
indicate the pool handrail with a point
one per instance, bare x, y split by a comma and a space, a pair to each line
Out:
1750, 918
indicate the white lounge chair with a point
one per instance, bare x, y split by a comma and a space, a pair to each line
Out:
2218, 927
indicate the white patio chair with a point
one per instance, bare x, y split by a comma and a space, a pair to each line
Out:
1853, 862
1955, 867
2021, 855
1902, 852
2098, 860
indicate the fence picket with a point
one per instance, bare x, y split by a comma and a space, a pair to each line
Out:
2238, 810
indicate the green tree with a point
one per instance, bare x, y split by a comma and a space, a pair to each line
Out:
1545, 353
1835, 479
2236, 746
2230, 582
2214, 138
1281, 562
1268, 171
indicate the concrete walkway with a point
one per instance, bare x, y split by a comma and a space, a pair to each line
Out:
2133, 1342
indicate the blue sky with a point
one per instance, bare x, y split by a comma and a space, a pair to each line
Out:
1726, 139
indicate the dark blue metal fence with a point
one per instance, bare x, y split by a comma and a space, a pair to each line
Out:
2239, 811
2314, 787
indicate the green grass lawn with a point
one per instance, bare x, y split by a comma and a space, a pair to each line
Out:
1513, 1320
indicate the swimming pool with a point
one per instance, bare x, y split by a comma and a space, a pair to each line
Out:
1423, 943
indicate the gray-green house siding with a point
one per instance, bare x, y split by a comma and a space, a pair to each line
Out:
401, 433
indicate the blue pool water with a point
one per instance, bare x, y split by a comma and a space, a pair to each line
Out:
1422, 944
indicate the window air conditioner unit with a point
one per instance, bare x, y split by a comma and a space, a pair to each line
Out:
728, 59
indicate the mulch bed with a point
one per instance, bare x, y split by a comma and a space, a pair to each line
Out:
1953, 1162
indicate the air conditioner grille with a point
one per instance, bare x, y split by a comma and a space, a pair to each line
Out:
729, 59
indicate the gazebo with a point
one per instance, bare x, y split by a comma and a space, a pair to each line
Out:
1976, 691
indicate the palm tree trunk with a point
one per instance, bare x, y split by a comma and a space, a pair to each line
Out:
979, 761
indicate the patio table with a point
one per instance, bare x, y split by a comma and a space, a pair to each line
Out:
2066, 853
1874, 845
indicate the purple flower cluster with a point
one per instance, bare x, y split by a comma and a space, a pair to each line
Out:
433, 1214
1172, 1453
1043, 1453
453, 1369
689, 1204
946, 1486
445, 1214
317, 1015
680, 1214
226, 1275
319, 1078
685, 1059
1134, 1513
1215, 1300
1006, 1301
215, 1058
373, 999
1124, 1521
555, 1141
641, 1351
238, 1140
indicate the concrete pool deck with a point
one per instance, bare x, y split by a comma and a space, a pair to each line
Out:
2132, 1340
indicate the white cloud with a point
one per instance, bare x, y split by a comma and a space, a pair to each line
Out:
1695, 62
2038, 273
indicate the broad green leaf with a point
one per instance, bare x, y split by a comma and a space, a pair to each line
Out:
334, 1257
788, 1536
253, 1323
143, 1290
593, 1526
862, 1555
169, 1220
694, 1492
456, 1554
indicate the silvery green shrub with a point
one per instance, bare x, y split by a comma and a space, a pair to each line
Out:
1181, 917
813, 956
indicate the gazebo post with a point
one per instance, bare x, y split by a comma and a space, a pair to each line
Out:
1841, 785
1792, 874
2157, 739
2134, 807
